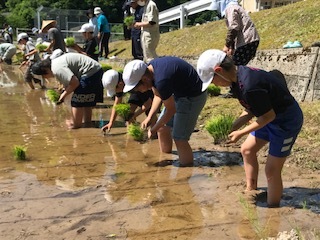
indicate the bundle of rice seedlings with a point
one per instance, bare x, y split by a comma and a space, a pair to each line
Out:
19, 56
219, 127
128, 21
136, 132
214, 90
123, 110
19, 152
52, 95
70, 41
41, 47
105, 67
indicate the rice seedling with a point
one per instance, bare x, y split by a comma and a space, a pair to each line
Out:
128, 21
53, 95
105, 67
41, 47
19, 152
214, 90
70, 41
136, 132
219, 127
19, 56
123, 110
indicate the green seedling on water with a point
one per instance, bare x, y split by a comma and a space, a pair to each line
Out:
70, 41
136, 132
41, 47
219, 127
213, 90
123, 110
19, 152
53, 95
105, 67
128, 21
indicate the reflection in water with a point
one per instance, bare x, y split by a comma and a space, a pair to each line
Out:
98, 186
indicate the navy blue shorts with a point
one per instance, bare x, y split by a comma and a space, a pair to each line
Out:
89, 92
282, 132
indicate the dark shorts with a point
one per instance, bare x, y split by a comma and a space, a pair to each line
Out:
138, 98
282, 132
89, 92
245, 53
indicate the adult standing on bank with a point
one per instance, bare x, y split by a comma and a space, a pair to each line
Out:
149, 25
54, 36
93, 21
103, 32
80, 75
279, 119
177, 84
137, 51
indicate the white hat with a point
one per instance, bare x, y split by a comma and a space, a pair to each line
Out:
97, 10
87, 27
207, 61
56, 53
110, 80
21, 36
132, 74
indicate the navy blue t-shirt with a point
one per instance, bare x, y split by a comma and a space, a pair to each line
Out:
174, 76
260, 91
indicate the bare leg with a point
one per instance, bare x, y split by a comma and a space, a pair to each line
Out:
77, 115
273, 170
165, 139
249, 150
87, 115
184, 152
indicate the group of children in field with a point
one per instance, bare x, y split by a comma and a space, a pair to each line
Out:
271, 114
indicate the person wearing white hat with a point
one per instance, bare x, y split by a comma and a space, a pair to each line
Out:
81, 76
103, 32
31, 55
113, 83
265, 96
90, 46
177, 84
54, 36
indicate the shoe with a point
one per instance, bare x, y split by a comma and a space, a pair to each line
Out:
288, 45
296, 44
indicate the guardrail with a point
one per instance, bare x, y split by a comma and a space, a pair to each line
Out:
183, 10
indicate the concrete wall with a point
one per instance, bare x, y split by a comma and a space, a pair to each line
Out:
300, 66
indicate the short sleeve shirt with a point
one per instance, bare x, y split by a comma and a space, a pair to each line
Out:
55, 34
174, 76
151, 14
29, 48
70, 64
260, 91
103, 24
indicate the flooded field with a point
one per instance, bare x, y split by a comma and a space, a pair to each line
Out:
81, 184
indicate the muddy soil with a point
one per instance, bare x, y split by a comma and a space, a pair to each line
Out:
81, 184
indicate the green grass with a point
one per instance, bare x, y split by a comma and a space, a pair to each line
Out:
214, 90
219, 127
123, 110
19, 152
136, 132
52, 95
298, 21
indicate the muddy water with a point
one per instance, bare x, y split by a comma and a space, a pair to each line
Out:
80, 184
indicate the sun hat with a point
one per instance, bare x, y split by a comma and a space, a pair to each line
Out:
97, 10
34, 30
22, 36
132, 74
56, 53
46, 23
207, 61
87, 27
110, 80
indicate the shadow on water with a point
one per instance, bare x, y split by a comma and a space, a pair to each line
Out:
82, 184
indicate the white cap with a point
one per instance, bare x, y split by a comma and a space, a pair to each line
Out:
87, 27
21, 36
110, 80
97, 10
207, 62
56, 53
132, 74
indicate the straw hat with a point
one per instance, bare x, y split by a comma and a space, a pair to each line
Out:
46, 23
